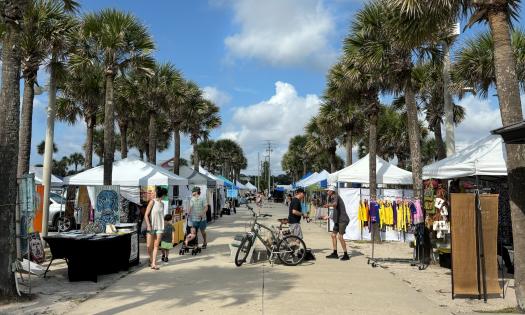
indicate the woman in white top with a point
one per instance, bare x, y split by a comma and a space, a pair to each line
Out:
155, 225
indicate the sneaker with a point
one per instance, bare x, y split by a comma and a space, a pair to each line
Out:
333, 256
345, 257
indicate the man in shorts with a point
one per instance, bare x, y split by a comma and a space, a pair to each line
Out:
295, 214
197, 213
341, 220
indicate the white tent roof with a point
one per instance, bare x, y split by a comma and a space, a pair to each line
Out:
39, 175
219, 181
128, 172
250, 186
486, 156
305, 180
315, 178
196, 178
359, 172
240, 185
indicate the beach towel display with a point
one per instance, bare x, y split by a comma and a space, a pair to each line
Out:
107, 205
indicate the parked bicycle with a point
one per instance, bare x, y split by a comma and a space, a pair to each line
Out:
289, 249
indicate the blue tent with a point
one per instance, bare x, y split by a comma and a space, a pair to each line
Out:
228, 183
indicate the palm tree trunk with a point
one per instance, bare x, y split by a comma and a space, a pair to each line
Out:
415, 140
510, 109
88, 148
141, 154
176, 157
123, 126
348, 146
441, 149
109, 130
372, 152
195, 156
333, 159
13, 12
152, 138
304, 167
24, 151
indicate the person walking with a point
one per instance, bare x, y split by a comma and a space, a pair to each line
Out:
341, 220
197, 214
295, 213
154, 217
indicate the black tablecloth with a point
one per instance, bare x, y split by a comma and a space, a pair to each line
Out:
87, 258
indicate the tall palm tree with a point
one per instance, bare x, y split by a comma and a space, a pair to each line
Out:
119, 42
129, 107
499, 14
76, 159
38, 24
322, 137
156, 90
346, 113
202, 117
380, 43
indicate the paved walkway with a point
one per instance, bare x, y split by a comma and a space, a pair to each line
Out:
211, 283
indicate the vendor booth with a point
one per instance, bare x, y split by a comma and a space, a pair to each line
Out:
357, 198
250, 187
133, 181
479, 226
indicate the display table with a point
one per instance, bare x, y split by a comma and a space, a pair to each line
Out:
88, 256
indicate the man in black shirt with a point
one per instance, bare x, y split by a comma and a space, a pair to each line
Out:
295, 214
341, 220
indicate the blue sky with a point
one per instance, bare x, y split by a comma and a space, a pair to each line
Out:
263, 62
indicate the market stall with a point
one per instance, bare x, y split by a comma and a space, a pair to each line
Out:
357, 199
476, 222
250, 187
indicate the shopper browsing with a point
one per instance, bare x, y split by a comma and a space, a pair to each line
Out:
197, 213
168, 239
154, 218
341, 220
295, 213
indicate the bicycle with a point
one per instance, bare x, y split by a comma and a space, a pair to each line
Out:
289, 249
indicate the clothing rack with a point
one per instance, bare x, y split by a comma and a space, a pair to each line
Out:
418, 259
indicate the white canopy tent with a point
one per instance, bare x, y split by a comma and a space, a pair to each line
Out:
250, 186
485, 157
240, 185
359, 172
305, 180
128, 172
196, 178
39, 174
315, 178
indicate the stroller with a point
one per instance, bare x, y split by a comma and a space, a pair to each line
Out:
193, 245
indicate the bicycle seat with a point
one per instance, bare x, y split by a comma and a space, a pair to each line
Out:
264, 215
283, 221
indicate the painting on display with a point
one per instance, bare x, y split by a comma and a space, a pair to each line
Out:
107, 205
83, 205
124, 210
36, 248
27, 206
134, 253
37, 219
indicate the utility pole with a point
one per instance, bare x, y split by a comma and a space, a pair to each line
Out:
269, 150
450, 141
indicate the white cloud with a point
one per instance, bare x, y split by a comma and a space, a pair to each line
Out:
220, 98
279, 118
482, 116
283, 32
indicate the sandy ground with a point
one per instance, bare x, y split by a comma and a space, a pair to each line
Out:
211, 284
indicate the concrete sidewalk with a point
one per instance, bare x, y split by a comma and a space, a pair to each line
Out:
211, 283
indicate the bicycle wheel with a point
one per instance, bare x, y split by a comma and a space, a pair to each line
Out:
243, 251
291, 250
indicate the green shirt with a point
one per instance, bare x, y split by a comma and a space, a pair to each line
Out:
197, 206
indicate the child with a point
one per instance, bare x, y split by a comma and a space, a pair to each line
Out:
190, 237
168, 238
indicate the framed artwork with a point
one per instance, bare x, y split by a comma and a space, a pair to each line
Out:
107, 205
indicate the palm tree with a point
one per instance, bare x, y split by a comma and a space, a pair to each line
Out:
201, 117
38, 24
321, 137
120, 42
129, 107
41, 147
81, 95
76, 159
155, 91
499, 15
346, 113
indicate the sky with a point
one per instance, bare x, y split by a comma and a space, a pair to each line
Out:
263, 63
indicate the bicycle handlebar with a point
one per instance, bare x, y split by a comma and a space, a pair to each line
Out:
264, 215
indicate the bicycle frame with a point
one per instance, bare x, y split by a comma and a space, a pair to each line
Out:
254, 233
